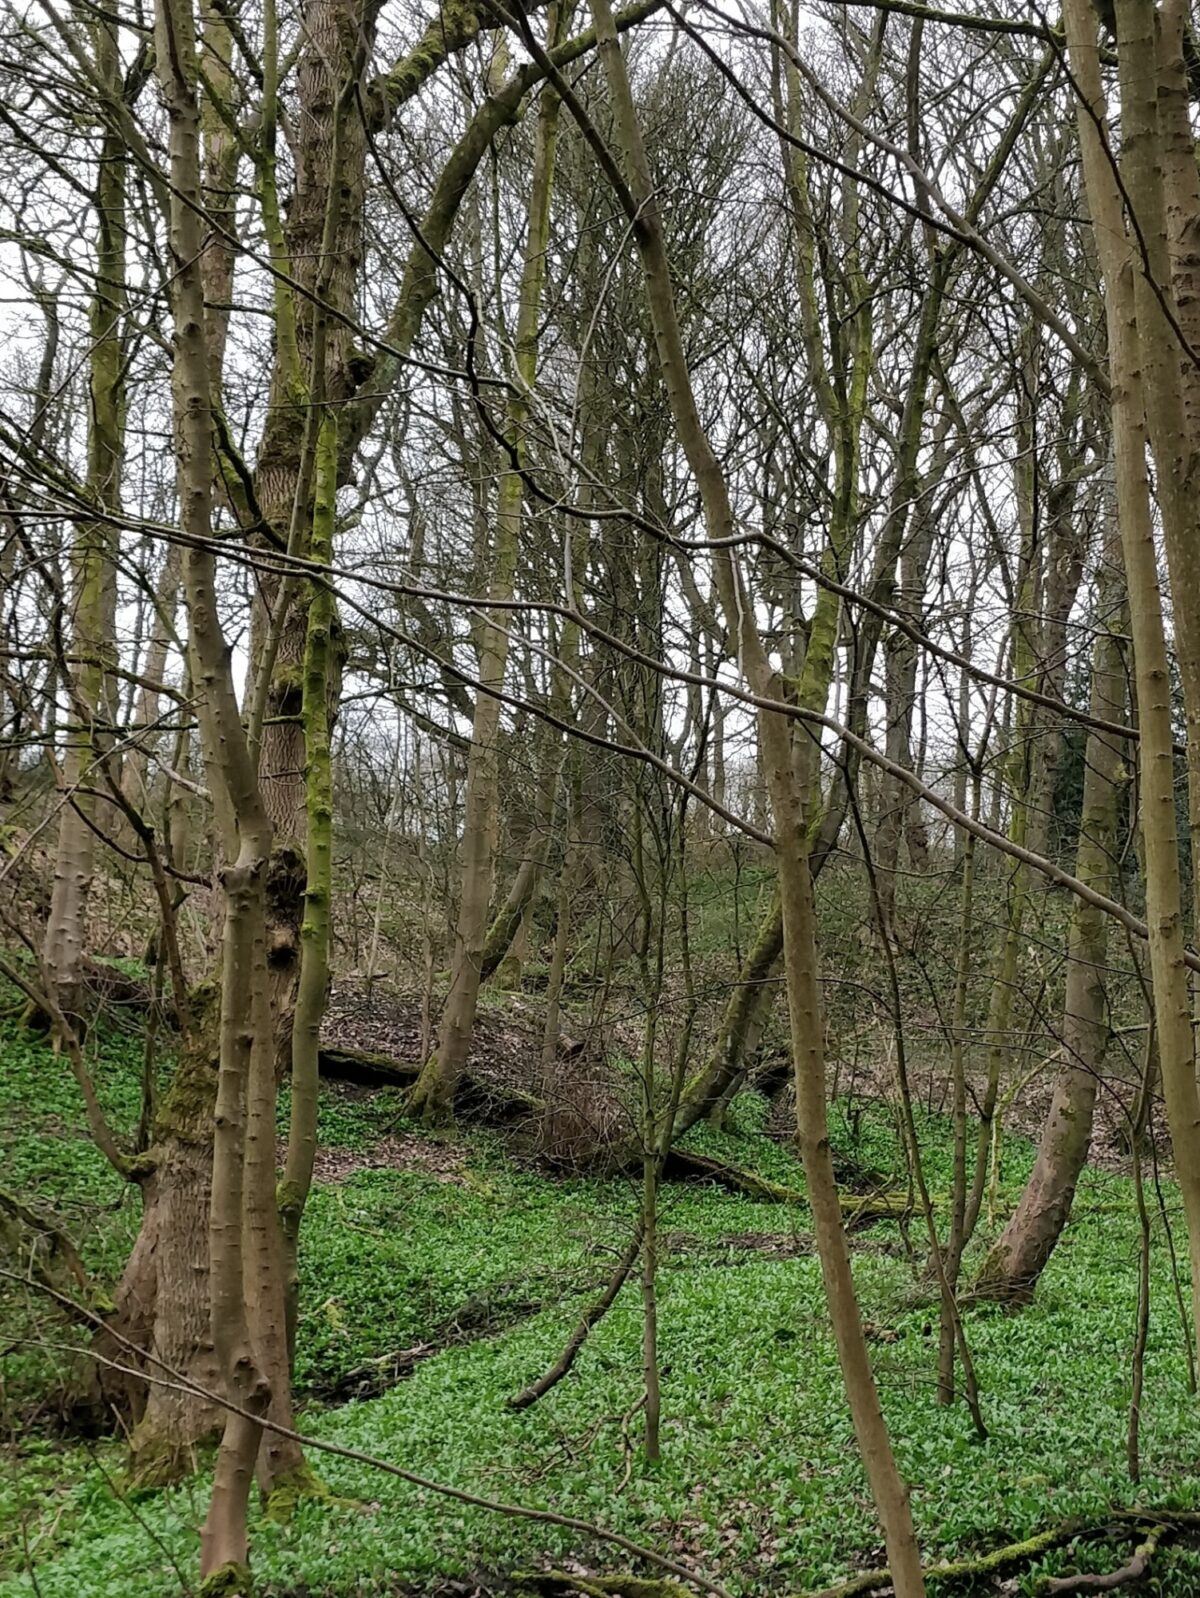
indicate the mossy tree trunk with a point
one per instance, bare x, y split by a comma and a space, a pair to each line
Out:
320, 669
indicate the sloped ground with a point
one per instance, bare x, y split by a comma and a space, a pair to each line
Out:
506, 1044
490, 1262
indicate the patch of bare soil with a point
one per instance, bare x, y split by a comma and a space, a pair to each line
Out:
394, 1151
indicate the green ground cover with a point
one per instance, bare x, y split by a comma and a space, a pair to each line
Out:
491, 1261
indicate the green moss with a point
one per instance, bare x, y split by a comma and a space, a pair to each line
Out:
187, 1106
154, 1462
287, 1493
230, 1581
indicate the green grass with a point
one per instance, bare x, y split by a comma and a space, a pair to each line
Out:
759, 1483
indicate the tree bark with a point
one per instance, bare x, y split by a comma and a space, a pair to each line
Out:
1156, 745
93, 618
433, 1095
1015, 1262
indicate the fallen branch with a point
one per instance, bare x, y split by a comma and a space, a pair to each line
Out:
685, 1165
595, 1312
479, 1317
857, 1209
958, 1569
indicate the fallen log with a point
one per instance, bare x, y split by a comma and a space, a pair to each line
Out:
365, 1068
683, 1165
858, 1209
479, 1097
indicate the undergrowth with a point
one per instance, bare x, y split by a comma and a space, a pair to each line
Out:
759, 1483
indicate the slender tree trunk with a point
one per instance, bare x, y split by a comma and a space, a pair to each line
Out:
246, 1051
790, 800
1156, 745
135, 769
433, 1095
956, 1233
1018, 1257
513, 913
93, 616
320, 668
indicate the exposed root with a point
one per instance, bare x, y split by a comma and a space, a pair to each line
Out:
155, 1463
230, 1581
1133, 1569
1152, 1528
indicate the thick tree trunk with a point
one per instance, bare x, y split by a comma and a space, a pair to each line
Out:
162, 1302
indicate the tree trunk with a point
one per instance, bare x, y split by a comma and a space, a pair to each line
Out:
162, 1302
93, 619
1164, 904
1017, 1259
433, 1095
790, 798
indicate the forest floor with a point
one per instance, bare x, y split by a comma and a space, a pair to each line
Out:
440, 1274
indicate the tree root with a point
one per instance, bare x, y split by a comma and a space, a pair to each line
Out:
1152, 1527
303, 1482
229, 1581
1133, 1570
